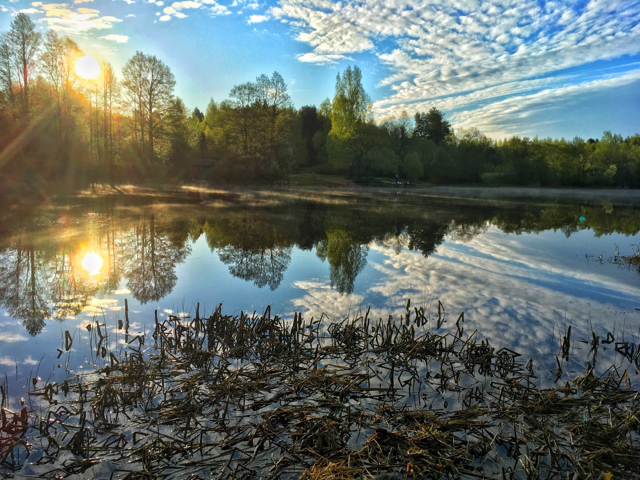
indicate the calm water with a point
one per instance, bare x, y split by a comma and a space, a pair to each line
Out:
521, 273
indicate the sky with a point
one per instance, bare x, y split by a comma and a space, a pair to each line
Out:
507, 67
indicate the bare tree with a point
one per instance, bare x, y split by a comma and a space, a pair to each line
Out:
150, 83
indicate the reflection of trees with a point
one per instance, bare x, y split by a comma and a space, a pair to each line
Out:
251, 246
347, 258
152, 253
69, 293
41, 276
23, 287
263, 266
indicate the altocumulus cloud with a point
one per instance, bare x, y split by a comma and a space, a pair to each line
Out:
117, 38
71, 19
465, 51
175, 9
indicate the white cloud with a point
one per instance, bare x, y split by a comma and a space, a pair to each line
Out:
59, 17
513, 116
13, 337
219, 10
176, 7
117, 38
29, 10
319, 58
186, 4
454, 48
257, 18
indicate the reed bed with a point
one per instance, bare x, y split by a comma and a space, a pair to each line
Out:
256, 396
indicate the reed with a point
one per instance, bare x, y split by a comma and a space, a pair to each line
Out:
258, 396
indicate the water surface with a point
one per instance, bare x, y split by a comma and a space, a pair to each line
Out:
520, 272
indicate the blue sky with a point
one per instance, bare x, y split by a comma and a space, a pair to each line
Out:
507, 67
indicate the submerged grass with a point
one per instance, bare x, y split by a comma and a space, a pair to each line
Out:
257, 396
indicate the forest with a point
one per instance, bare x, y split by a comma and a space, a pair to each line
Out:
61, 131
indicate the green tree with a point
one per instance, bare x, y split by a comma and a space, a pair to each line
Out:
432, 126
352, 135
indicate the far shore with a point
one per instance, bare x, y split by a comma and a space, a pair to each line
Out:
345, 189
334, 189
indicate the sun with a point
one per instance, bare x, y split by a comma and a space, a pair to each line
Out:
92, 263
88, 67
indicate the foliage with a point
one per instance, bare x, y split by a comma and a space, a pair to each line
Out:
73, 132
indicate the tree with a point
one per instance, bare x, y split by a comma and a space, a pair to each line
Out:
6, 70
351, 136
149, 84
198, 114
177, 133
25, 43
432, 125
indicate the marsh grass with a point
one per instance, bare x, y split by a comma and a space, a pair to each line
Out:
258, 396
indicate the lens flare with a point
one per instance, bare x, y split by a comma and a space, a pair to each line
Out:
92, 263
88, 67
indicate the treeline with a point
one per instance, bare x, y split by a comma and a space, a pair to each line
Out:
57, 128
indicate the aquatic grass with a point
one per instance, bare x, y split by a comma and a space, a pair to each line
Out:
258, 396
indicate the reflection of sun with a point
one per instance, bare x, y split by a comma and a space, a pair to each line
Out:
88, 67
92, 263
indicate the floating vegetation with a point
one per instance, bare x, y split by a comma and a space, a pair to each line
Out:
258, 396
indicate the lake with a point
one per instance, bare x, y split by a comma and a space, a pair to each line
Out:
522, 271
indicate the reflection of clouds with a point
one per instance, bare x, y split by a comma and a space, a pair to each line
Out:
13, 337
516, 292
513, 294
11, 362
320, 298
99, 305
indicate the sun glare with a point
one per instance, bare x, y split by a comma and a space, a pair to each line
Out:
88, 67
92, 263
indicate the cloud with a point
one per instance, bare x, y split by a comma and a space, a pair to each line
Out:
13, 337
59, 17
436, 50
319, 58
257, 19
175, 9
516, 115
29, 10
219, 10
116, 38
83, 1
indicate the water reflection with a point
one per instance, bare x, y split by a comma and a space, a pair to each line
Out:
92, 263
54, 264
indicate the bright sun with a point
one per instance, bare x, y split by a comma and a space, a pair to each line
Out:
92, 263
88, 67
